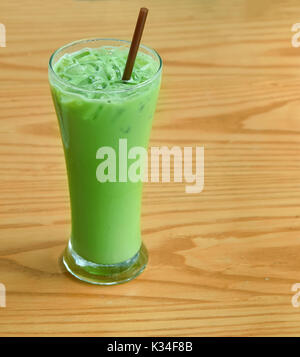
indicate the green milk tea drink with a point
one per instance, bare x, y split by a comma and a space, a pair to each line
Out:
96, 109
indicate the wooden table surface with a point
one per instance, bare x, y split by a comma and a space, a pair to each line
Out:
222, 262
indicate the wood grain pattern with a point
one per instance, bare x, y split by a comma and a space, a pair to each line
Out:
222, 262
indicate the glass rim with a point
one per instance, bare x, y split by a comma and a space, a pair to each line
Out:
103, 90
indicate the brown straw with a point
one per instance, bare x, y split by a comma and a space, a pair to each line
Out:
135, 43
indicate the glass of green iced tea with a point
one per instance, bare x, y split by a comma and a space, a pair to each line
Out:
96, 108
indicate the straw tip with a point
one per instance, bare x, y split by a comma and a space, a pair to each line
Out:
139, 27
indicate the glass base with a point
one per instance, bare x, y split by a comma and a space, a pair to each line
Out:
104, 274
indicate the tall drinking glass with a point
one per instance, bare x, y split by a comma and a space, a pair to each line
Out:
105, 245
